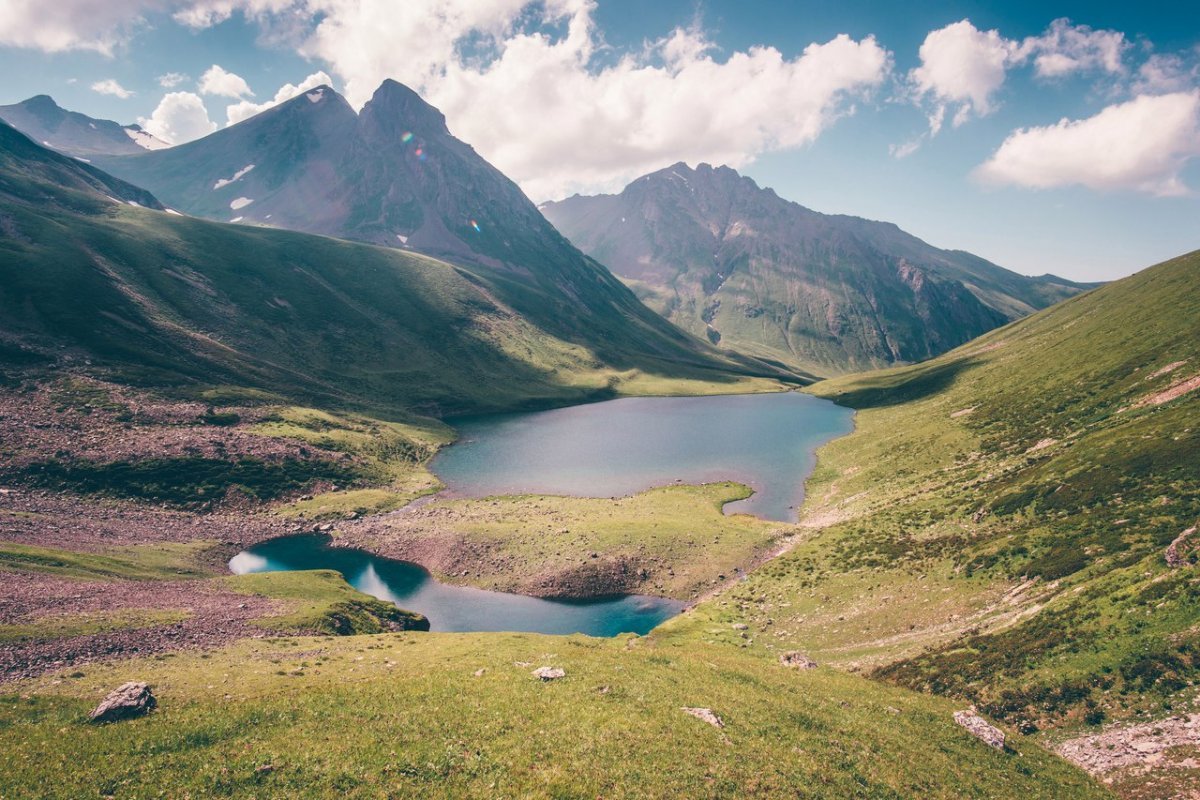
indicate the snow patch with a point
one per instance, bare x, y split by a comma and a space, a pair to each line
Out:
403, 239
173, 211
134, 203
92, 125
237, 219
237, 176
240, 203
315, 95
81, 158
146, 140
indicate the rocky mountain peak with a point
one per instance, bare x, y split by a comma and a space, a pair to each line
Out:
395, 106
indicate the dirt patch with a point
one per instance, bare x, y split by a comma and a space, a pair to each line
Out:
1152, 746
215, 617
1173, 392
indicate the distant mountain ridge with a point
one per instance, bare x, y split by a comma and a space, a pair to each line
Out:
75, 134
721, 257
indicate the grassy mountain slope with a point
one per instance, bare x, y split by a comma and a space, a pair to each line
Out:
723, 258
996, 528
166, 299
394, 176
460, 715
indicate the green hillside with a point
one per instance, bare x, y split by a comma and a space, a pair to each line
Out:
168, 300
996, 528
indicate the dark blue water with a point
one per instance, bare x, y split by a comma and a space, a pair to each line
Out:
623, 446
455, 608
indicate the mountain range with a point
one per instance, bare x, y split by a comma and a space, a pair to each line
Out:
76, 134
723, 258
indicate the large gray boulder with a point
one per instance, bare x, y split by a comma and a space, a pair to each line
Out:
128, 700
980, 728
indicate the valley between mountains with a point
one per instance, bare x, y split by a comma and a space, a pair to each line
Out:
275, 329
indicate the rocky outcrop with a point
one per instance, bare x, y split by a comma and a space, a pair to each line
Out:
797, 660
706, 715
127, 701
549, 673
1179, 552
980, 728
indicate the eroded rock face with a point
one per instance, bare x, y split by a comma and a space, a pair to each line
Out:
549, 673
980, 728
797, 660
705, 714
128, 700
1179, 552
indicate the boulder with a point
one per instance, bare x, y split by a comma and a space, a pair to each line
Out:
797, 660
128, 700
980, 728
705, 714
549, 673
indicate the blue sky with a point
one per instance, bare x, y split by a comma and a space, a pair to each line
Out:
945, 118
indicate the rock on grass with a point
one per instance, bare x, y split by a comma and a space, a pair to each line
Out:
128, 700
705, 714
549, 673
980, 728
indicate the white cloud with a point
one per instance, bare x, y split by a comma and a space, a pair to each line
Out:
1065, 48
98, 25
964, 68
1140, 145
110, 86
216, 80
245, 109
171, 79
1168, 73
180, 117
518, 81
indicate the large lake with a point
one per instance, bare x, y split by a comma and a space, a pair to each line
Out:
618, 447
455, 608
766, 441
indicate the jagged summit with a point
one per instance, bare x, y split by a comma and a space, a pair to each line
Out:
725, 258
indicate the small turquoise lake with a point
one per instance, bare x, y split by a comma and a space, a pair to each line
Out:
609, 449
619, 447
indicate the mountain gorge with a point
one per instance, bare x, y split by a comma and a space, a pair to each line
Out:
723, 258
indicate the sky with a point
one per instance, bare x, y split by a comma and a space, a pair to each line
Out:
1054, 136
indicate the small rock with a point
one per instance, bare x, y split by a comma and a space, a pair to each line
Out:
797, 660
128, 700
549, 673
980, 728
740, 626
480, 672
265, 769
705, 714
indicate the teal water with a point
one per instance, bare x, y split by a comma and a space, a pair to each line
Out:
455, 608
619, 447
766, 441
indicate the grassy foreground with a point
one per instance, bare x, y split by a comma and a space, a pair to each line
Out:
454, 715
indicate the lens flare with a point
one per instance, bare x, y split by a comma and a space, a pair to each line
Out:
475, 225
407, 137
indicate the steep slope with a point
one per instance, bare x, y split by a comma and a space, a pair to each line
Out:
1014, 522
721, 257
163, 298
75, 134
395, 176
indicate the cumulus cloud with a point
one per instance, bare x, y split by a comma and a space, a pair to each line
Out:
97, 25
963, 65
1162, 73
963, 68
110, 86
171, 79
519, 81
180, 117
1140, 145
245, 109
217, 81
